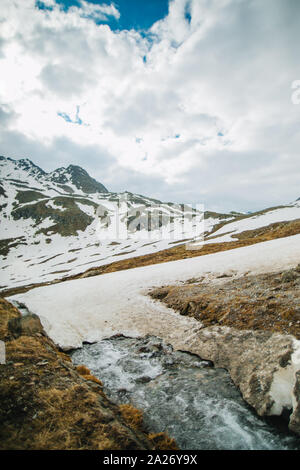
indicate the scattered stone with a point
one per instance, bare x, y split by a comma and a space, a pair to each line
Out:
297, 268
143, 380
289, 276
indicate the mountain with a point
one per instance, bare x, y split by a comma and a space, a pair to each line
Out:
75, 176
64, 222
58, 224
72, 179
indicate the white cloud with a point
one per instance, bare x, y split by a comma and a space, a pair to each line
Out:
202, 104
97, 12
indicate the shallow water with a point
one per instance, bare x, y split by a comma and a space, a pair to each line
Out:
194, 402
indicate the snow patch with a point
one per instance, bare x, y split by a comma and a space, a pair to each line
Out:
284, 380
93, 308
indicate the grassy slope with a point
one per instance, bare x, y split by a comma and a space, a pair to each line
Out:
268, 302
47, 403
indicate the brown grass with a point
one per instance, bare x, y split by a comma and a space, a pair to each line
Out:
132, 416
260, 302
83, 370
86, 374
162, 441
47, 403
73, 420
7, 312
250, 237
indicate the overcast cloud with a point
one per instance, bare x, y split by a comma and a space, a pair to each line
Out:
198, 109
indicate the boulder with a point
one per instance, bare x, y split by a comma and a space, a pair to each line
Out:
265, 366
27, 325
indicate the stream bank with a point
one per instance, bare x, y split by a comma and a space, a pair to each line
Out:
47, 404
189, 398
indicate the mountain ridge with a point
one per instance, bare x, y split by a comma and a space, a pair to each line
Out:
72, 176
63, 223
59, 222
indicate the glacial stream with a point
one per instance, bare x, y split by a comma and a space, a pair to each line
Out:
194, 402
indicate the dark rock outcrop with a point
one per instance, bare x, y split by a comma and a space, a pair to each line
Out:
79, 177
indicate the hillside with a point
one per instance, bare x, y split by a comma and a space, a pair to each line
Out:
61, 223
238, 305
48, 403
258, 348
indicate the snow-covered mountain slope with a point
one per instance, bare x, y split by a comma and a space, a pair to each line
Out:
70, 180
61, 223
97, 307
55, 225
232, 230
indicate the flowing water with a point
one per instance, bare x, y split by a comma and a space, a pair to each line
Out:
194, 402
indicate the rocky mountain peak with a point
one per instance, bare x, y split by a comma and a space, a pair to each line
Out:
29, 166
74, 176
78, 177
19, 169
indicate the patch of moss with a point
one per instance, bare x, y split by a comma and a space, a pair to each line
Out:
29, 196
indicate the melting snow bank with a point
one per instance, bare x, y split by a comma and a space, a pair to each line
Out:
195, 403
265, 367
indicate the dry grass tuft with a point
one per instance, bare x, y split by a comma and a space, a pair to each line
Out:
162, 441
83, 370
28, 349
92, 378
86, 374
71, 420
132, 416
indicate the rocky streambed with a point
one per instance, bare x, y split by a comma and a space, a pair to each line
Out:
195, 402
246, 324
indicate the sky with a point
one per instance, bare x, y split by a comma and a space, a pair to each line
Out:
193, 101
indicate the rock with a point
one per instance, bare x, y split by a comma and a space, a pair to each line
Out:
295, 418
43, 387
143, 380
28, 325
297, 268
263, 365
289, 276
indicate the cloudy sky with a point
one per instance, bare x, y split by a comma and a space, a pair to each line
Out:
183, 100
